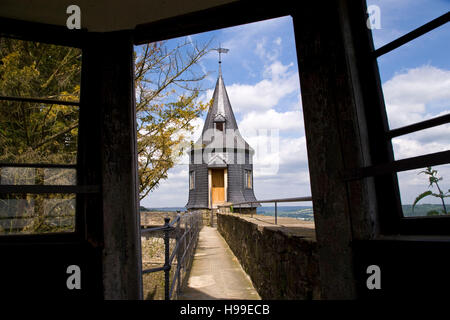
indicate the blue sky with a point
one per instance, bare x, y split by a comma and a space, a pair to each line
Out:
261, 76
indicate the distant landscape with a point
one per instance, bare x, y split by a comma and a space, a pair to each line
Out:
306, 213
298, 212
421, 210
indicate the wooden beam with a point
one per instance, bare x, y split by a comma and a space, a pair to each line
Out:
41, 32
332, 141
39, 100
437, 121
432, 159
109, 137
427, 27
40, 189
223, 16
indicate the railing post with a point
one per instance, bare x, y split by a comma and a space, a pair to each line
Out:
184, 245
166, 258
178, 246
211, 219
276, 212
251, 211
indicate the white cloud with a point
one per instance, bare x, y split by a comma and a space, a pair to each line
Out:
293, 184
260, 48
172, 192
240, 37
412, 96
265, 53
276, 155
197, 123
279, 82
416, 94
271, 119
277, 70
405, 147
264, 95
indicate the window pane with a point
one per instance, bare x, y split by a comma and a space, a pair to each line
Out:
39, 70
37, 176
38, 133
17, 176
422, 142
397, 18
414, 183
416, 79
192, 180
37, 213
53, 176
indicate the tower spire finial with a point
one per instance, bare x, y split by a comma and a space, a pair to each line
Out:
221, 50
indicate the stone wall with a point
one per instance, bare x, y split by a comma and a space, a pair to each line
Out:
237, 209
282, 262
206, 214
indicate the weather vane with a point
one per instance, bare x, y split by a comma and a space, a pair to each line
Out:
221, 50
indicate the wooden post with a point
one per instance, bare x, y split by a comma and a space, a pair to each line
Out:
276, 212
335, 127
166, 259
109, 157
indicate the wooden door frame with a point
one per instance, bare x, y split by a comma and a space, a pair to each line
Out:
225, 185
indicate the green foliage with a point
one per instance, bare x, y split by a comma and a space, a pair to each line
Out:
433, 181
433, 213
421, 196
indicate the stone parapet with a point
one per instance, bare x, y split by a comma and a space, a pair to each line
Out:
281, 260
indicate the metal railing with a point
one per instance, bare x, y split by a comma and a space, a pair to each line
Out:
239, 204
184, 249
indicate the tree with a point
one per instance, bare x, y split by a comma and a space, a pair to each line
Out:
167, 91
37, 132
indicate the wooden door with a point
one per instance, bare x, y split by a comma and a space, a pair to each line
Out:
218, 186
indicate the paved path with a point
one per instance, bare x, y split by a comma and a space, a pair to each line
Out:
216, 272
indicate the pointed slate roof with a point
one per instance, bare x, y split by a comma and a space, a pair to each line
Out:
221, 111
221, 108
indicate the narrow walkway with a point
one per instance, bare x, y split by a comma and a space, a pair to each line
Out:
216, 272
